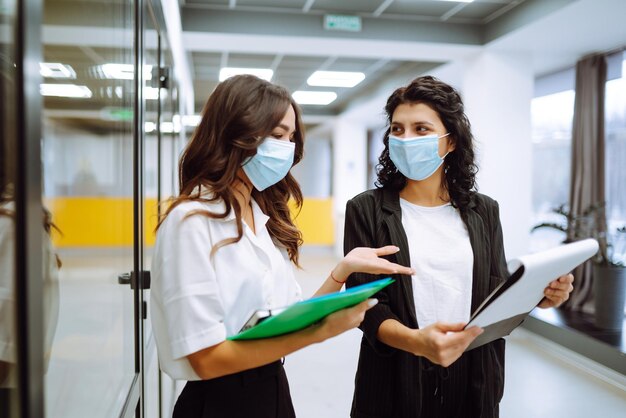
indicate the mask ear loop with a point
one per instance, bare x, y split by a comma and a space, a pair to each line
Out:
445, 170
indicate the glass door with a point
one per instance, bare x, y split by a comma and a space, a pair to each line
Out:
155, 93
81, 150
159, 174
89, 159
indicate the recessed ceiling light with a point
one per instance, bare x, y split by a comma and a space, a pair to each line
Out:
335, 78
65, 90
152, 93
149, 127
264, 73
166, 127
124, 71
56, 70
192, 120
321, 98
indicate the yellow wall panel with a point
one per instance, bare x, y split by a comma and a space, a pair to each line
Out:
98, 221
316, 221
108, 221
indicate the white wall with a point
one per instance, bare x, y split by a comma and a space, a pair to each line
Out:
315, 170
497, 88
349, 169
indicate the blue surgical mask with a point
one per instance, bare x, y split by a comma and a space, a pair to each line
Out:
271, 163
417, 158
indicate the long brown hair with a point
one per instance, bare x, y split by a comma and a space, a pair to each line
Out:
239, 114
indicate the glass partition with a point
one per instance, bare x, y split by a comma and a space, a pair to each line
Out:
8, 156
87, 152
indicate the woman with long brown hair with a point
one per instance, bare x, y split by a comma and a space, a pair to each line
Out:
226, 247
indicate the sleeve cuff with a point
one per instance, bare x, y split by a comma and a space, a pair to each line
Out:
373, 318
199, 341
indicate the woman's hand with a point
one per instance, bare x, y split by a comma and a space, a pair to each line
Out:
344, 320
367, 260
557, 291
444, 343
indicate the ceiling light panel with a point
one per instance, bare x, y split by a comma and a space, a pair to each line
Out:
152, 93
287, 4
191, 120
56, 70
65, 90
124, 71
480, 10
316, 98
427, 9
335, 78
350, 7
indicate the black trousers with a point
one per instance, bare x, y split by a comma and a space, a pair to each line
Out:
260, 393
444, 390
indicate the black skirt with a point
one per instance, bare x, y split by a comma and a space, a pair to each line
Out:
260, 393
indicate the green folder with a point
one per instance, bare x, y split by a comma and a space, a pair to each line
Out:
307, 312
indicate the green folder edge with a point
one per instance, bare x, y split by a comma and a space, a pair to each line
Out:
307, 312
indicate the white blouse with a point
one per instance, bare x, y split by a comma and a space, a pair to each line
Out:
443, 260
8, 336
196, 299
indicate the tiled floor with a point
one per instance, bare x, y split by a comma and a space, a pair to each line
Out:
542, 380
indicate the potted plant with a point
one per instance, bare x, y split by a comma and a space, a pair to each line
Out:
609, 264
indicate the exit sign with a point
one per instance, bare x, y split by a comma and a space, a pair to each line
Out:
342, 22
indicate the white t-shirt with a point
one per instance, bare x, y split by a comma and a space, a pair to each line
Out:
442, 257
198, 300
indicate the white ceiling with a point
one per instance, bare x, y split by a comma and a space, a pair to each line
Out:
398, 37
557, 41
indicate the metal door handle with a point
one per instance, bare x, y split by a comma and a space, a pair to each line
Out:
129, 278
124, 278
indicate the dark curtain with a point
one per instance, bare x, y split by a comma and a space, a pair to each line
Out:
587, 175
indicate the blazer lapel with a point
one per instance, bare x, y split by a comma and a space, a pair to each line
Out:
392, 215
480, 246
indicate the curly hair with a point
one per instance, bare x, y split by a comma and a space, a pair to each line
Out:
459, 166
238, 115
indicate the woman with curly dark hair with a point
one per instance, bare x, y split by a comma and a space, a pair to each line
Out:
227, 246
412, 361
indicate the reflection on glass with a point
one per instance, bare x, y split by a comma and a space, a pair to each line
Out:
8, 216
8, 349
87, 151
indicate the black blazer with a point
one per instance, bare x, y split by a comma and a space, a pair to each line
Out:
388, 380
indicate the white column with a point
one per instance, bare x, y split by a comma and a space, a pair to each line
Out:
497, 88
314, 171
349, 143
